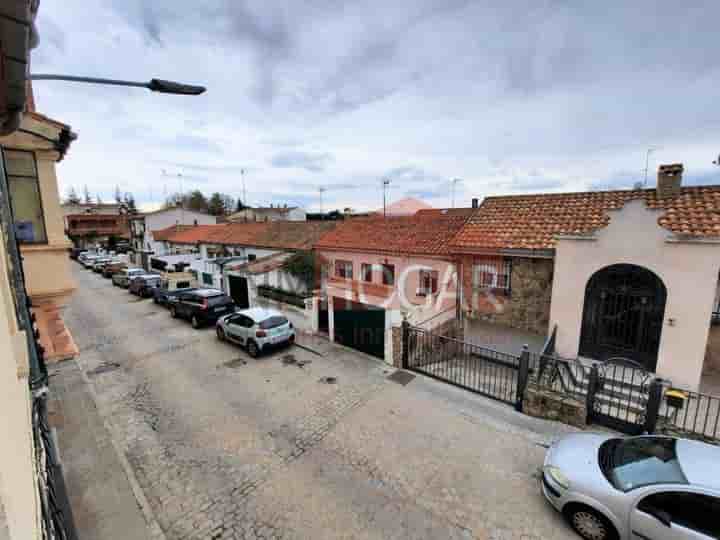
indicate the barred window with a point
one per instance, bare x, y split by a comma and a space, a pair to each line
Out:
492, 274
366, 272
428, 282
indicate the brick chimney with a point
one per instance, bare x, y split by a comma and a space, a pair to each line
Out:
669, 180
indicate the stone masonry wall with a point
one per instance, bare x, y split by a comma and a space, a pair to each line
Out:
528, 305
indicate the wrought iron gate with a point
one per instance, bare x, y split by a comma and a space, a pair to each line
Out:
488, 372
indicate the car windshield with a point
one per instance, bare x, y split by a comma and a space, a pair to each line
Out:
273, 322
642, 461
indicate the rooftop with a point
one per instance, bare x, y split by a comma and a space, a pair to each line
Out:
535, 221
404, 207
428, 232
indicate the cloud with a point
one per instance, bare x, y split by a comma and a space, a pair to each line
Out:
312, 162
563, 97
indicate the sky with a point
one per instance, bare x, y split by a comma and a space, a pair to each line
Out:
523, 97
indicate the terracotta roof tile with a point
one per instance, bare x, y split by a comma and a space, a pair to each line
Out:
426, 233
533, 221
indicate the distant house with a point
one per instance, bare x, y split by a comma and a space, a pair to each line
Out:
142, 227
404, 207
269, 213
629, 273
380, 270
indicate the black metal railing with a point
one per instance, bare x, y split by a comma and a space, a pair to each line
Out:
479, 369
283, 296
57, 520
690, 413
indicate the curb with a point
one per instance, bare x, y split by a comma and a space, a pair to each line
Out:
152, 522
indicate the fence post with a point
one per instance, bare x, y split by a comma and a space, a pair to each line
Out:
405, 344
652, 410
591, 391
523, 375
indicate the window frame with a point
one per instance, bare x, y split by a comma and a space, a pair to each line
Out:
386, 273
344, 264
10, 176
434, 280
488, 267
369, 268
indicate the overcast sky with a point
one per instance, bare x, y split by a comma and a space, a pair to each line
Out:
531, 96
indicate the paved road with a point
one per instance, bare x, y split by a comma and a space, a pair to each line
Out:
224, 446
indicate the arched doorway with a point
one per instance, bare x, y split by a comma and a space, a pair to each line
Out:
623, 314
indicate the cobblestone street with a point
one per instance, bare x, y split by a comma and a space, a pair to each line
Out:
225, 446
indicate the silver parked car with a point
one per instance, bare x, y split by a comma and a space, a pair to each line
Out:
637, 488
257, 329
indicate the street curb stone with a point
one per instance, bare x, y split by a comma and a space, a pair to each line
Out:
155, 530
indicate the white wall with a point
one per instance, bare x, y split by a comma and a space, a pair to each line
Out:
174, 216
689, 271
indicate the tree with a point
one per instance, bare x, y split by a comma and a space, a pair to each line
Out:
215, 205
87, 199
196, 201
240, 206
118, 195
72, 196
98, 199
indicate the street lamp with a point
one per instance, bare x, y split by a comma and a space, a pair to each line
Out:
155, 85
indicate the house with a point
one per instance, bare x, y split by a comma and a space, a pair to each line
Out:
380, 270
34, 270
631, 273
269, 213
404, 207
142, 228
89, 229
110, 209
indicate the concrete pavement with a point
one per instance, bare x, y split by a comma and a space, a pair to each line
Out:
224, 446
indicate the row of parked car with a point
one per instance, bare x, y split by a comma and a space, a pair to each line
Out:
256, 329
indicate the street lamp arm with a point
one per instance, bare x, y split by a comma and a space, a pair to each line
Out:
156, 85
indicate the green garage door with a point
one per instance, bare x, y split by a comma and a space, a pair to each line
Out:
360, 326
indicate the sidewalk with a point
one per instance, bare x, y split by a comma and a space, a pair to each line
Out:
101, 495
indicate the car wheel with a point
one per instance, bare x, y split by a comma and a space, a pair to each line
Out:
173, 312
220, 333
252, 349
590, 524
195, 322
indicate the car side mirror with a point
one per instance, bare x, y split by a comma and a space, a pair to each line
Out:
661, 515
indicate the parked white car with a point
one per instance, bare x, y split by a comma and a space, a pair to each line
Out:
636, 488
257, 329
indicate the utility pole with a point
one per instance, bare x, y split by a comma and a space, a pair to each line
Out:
385, 186
321, 190
647, 164
454, 183
182, 195
245, 204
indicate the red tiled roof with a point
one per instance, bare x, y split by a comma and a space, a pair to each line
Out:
268, 234
533, 221
187, 234
426, 233
164, 234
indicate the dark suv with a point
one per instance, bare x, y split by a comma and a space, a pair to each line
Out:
202, 306
144, 285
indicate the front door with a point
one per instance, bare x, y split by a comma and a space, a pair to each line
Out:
623, 315
359, 326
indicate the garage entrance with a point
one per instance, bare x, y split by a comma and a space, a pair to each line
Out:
359, 326
239, 291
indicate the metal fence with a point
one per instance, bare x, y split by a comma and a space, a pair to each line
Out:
617, 393
488, 372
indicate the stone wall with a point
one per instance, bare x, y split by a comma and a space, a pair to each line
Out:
542, 403
526, 307
397, 346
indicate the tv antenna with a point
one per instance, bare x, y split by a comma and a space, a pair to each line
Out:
385, 187
321, 190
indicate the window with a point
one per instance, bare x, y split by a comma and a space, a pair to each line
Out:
207, 278
428, 282
344, 269
388, 274
690, 510
366, 272
25, 197
251, 257
492, 274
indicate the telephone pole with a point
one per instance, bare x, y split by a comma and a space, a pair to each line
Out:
385, 187
321, 190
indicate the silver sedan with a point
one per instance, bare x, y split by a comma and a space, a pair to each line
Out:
637, 488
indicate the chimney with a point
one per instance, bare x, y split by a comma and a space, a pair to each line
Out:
475, 202
669, 180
